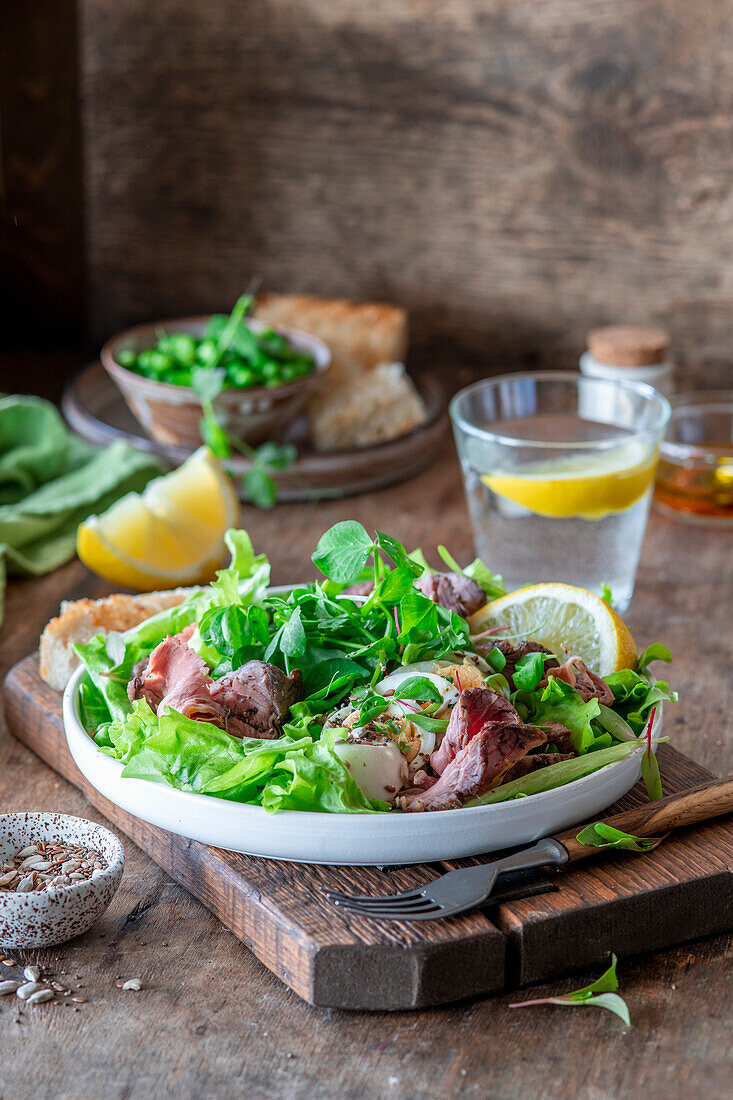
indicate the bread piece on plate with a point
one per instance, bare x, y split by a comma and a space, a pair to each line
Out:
80, 620
379, 405
360, 335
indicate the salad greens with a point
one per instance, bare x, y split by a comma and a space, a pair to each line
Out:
600, 993
342, 647
601, 835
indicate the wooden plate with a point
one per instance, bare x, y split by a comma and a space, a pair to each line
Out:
93, 406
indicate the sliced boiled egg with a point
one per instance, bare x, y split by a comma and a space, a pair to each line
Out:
378, 768
404, 708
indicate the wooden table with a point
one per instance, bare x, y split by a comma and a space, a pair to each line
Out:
212, 1022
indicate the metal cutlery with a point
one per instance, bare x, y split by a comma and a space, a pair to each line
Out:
465, 888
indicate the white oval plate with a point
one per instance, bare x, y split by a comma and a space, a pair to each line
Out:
350, 839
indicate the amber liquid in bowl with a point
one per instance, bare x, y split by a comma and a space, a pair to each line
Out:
698, 487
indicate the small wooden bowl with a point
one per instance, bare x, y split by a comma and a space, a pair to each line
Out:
171, 414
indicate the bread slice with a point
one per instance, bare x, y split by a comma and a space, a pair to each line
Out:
372, 408
361, 335
80, 620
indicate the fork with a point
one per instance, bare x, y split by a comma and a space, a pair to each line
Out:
467, 887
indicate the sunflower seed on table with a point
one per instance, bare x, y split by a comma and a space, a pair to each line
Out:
133, 983
41, 996
8, 986
9, 962
27, 990
32, 973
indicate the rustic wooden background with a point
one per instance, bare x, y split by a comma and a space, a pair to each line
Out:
512, 171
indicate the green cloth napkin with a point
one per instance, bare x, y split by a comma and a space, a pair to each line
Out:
50, 480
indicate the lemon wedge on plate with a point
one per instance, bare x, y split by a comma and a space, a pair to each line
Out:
170, 534
558, 615
588, 486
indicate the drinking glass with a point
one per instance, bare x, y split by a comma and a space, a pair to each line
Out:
558, 471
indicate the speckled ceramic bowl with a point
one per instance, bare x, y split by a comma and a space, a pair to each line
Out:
41, 919
172, 414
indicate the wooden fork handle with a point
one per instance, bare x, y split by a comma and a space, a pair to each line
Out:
656, 818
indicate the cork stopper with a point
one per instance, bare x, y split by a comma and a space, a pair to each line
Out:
628, 345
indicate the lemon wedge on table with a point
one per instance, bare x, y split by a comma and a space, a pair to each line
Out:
588, 486
170, 534
558, 615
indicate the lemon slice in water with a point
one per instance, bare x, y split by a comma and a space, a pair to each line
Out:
589, 486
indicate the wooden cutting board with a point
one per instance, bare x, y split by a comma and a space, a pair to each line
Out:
624, 903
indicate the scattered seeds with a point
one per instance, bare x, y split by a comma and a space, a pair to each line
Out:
31, 850
8, 987
9, 962
133, 983
79, 1000
41, 996
32, 973
28, 989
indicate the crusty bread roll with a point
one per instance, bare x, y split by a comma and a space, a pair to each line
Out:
377, 405
80, 620
360, 335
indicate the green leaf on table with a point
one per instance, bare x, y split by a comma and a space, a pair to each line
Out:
599, 994
601, 835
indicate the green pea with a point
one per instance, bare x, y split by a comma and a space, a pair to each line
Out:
179, 377
143, 359
181, 346
271, 370
207, 351
244, 378
160, 362
127, 358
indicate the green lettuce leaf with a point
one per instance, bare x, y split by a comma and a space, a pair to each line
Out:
315, 779
559, 702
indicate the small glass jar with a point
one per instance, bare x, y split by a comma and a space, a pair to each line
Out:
630, 353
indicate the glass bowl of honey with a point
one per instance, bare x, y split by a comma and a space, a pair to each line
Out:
695, 473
